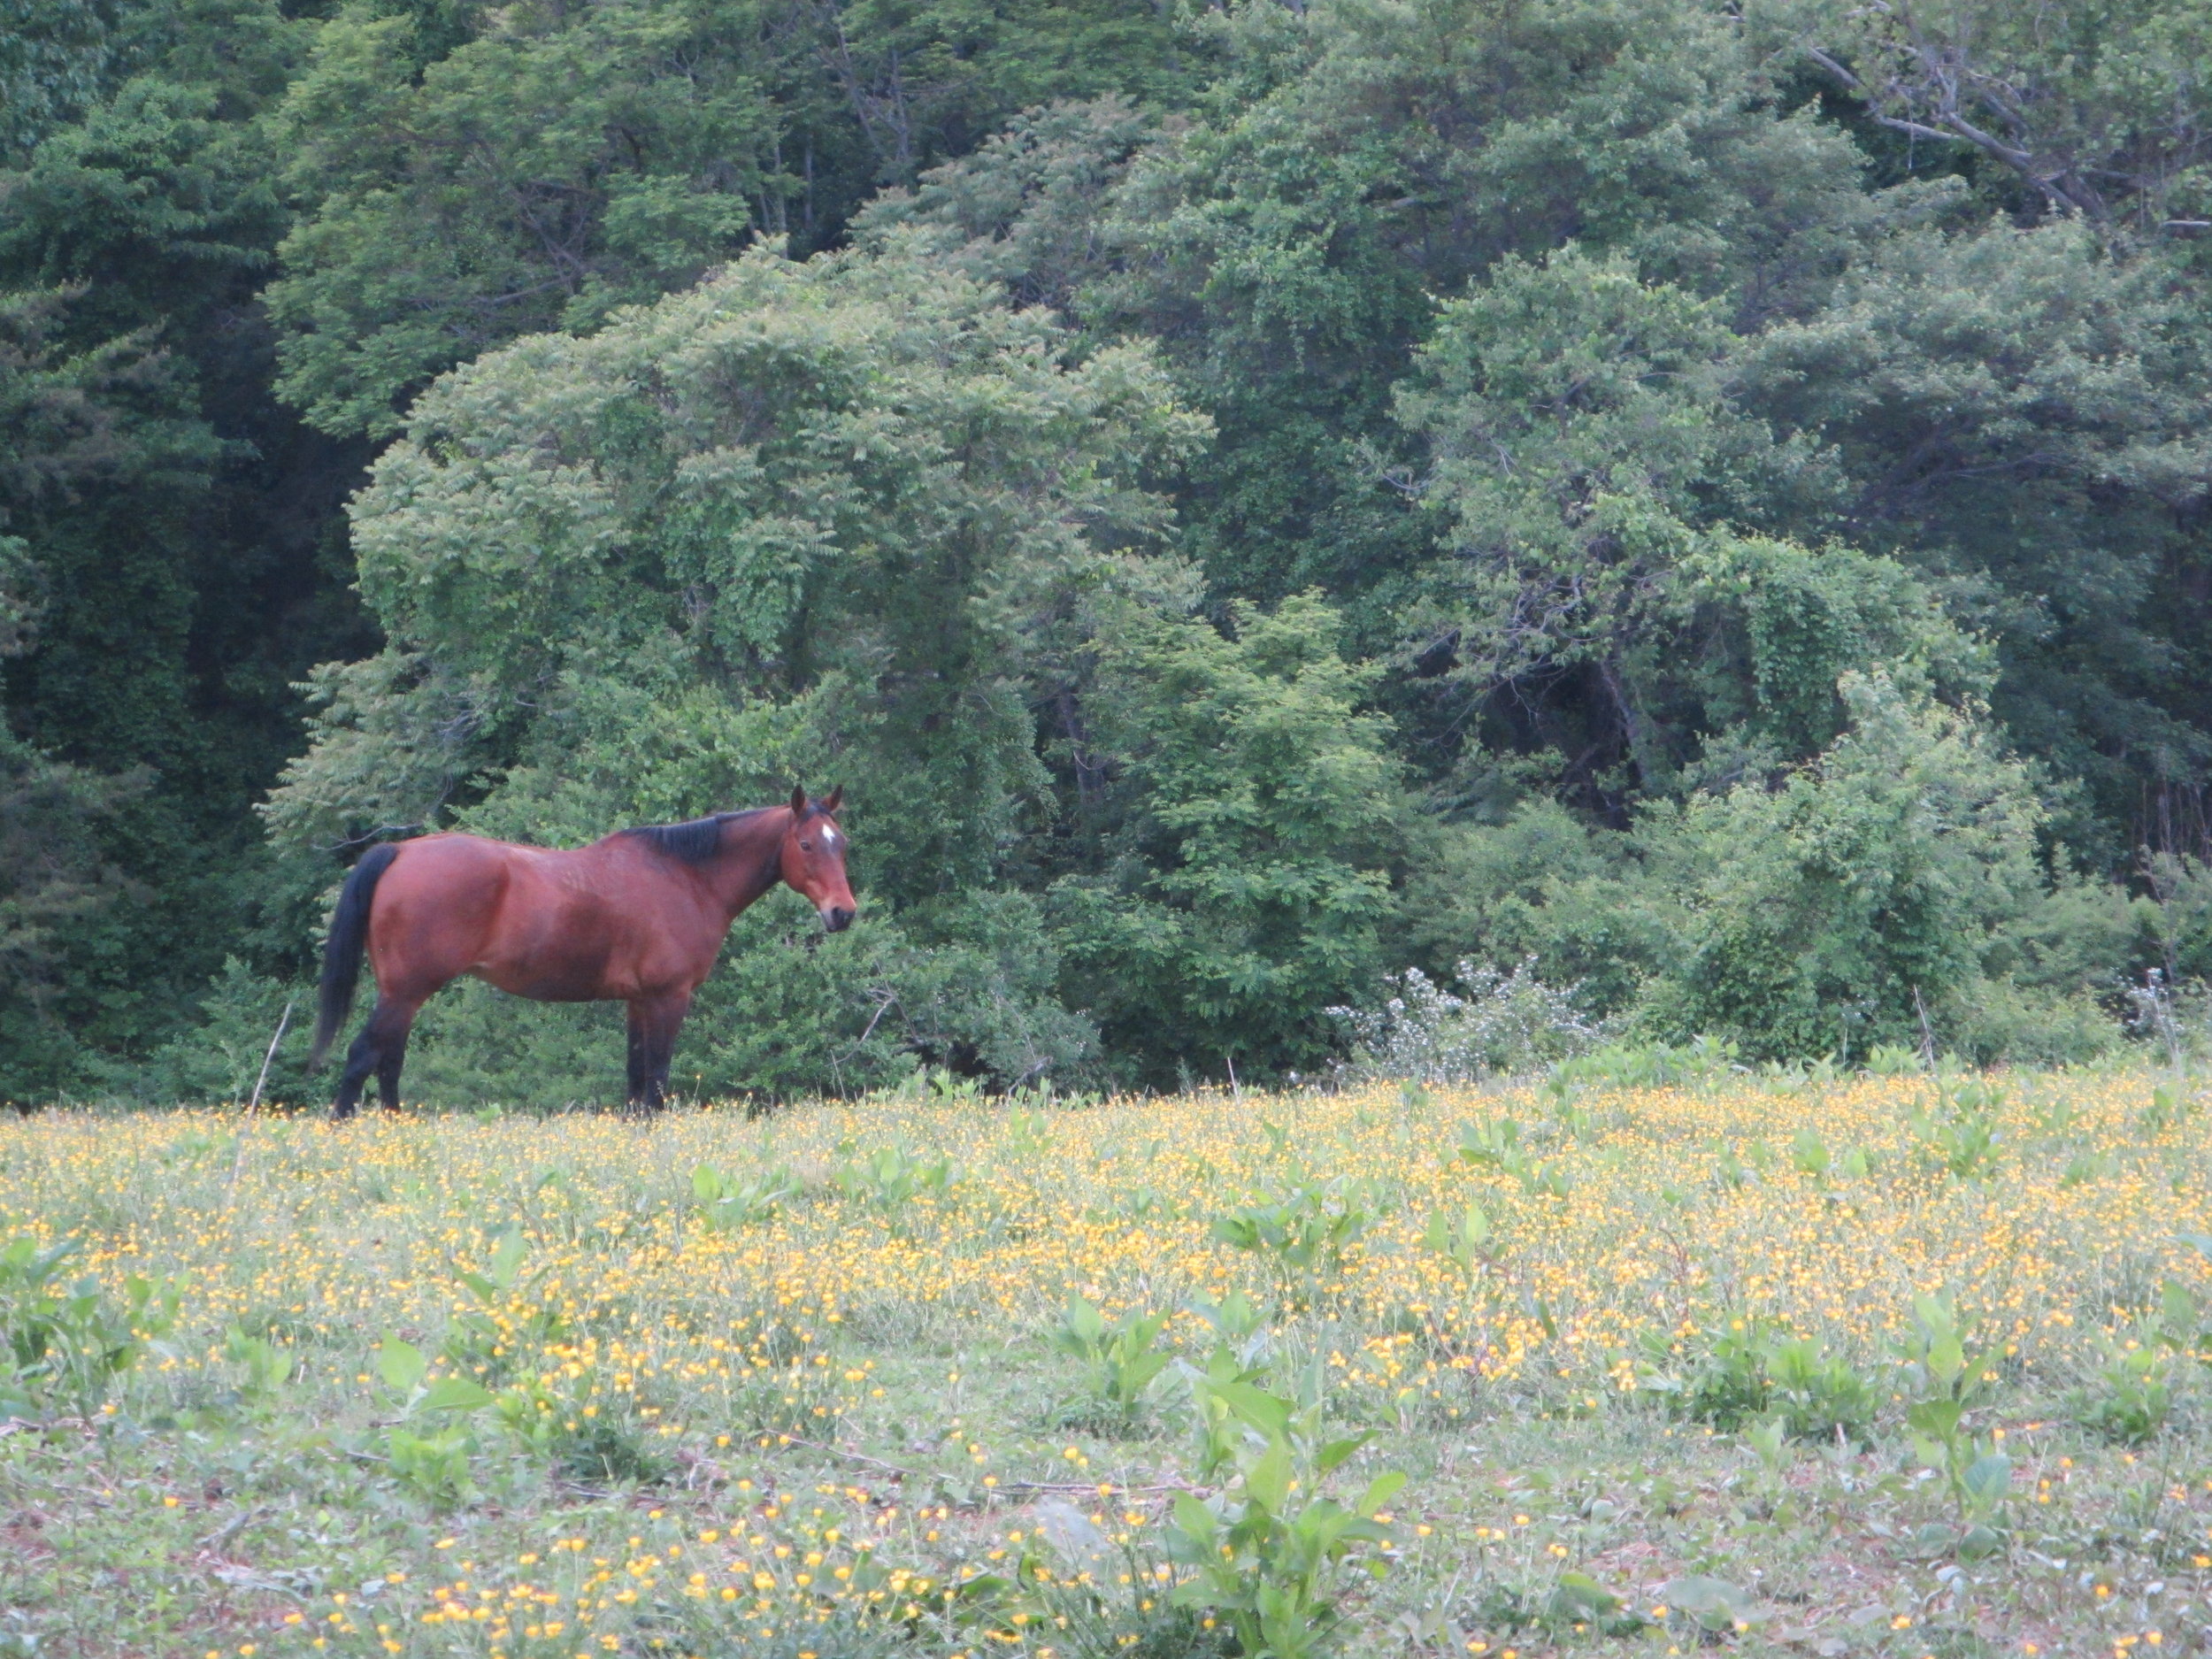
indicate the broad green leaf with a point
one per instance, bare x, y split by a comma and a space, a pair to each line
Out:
1193, 1519
456, 1394
1336, 1451
1987, 1478
1380, 1490
1264, 1411
1579, 1595
507, 1258
1947, 1358
1267, 1481
1938, 1418
401, 1365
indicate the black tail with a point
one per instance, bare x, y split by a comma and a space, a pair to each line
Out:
349, 935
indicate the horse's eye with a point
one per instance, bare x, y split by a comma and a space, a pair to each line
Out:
806, 846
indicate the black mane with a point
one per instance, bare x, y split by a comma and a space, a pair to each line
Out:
694, 843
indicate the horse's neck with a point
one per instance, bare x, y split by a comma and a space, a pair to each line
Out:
751, 858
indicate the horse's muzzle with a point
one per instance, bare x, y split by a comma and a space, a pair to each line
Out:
836, 918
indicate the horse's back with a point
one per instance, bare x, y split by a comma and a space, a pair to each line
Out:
553, 924
450, 867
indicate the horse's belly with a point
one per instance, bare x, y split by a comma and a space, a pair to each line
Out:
567, 953
560, 959
555, 978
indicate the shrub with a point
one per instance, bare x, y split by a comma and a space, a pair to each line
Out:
2127, 1398
1504, 1022
1303, 1233
728, 1204
1725, 1381
221, 1059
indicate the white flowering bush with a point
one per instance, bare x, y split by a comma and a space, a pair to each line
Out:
2177, 1019
1495, 1023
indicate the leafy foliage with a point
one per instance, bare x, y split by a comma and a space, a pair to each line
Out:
1268, 1553
1249, 879
1888, 869
63, 1345
1304, 1233
840, 523
548, 166
1745, 1372
1257, 504
1120, 1362
2075, 106
729, 1204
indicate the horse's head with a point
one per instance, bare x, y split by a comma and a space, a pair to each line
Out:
814, 858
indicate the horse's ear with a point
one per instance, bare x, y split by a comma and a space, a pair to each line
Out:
798, 799
836, 799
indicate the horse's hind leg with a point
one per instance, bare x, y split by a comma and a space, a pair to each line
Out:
381, 1047
360, 1061
391, 1053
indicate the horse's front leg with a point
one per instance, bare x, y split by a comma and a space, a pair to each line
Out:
633, 1097
653, 1023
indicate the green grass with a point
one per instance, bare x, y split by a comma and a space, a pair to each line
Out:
621, 1385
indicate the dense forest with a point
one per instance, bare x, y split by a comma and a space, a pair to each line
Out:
1697, 513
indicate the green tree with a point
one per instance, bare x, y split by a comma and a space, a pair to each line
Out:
90, 441
1893, 886
554, 163
174, 527
1888, 878
1358, 161
1250, 882
58, 887
54, 55
842, 514
1028, 208
1639, 384
1603, 595
2098, 110
2023, 418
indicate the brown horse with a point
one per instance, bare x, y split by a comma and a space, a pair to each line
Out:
637, 917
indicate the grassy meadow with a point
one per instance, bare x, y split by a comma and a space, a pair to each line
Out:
1877, 1365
